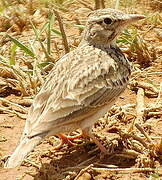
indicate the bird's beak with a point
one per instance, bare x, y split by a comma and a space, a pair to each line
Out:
135, 17
130, 18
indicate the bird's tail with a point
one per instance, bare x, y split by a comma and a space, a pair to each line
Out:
23, 149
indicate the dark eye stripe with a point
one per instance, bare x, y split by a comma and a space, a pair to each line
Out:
99, 22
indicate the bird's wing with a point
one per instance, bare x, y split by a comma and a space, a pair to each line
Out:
80, 81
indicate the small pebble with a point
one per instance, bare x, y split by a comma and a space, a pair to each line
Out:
85, 176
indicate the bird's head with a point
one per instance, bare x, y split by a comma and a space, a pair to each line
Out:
104, 25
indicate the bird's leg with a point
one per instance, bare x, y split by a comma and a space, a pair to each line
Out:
66, 140
75, 137
87, 132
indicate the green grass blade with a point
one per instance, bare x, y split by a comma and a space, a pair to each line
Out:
56, 32
13, 53
35, 31
44, 64
38, 33
43, 29
22, 46
80, 26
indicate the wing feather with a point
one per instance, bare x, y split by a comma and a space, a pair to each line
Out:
78, 83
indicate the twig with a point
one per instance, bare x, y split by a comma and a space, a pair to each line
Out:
48, 67
144, 85
11, 82
86, 161
105, 165
134, 170
140, 105
130, 152
137, 74
16, 105
13, 112
155, 137
154, 73
83, 170
152, 109
23, 102
64, 38
57, 50
154, 114
32, 163
136, 138
79, 166
143, 132
125, 107
29, 173
126, 153
66, 170
136, 146
131, 125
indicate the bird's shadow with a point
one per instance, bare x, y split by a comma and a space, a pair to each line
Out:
73, 159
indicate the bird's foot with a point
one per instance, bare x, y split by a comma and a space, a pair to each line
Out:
66, 140
87, 132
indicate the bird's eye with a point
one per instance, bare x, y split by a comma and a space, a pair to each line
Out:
107, 21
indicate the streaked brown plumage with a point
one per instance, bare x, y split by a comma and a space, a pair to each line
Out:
82, 86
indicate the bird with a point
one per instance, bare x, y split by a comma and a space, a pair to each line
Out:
81, 87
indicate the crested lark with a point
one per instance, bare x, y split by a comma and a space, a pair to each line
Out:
82, 86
